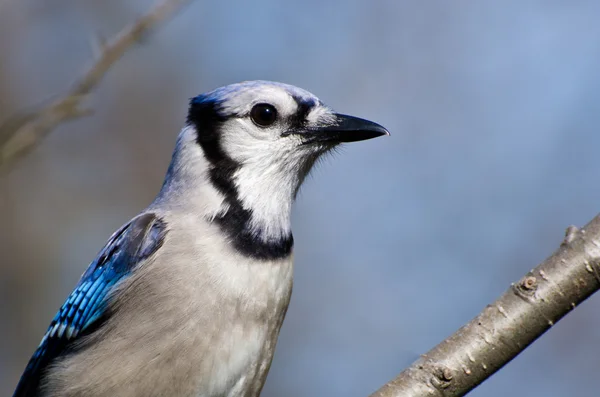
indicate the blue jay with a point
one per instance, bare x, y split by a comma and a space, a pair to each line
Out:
187, 299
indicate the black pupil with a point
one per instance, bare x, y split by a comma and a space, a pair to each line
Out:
263, 114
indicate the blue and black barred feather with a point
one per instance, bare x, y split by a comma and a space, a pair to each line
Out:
87, 307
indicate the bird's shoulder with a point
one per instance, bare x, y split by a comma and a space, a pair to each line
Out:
87, 307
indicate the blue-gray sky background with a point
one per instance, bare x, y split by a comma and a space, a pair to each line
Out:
494, 110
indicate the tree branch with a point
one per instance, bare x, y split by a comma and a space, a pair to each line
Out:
22, 134
507, 326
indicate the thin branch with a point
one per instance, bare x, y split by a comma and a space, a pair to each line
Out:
22, 134
506, 327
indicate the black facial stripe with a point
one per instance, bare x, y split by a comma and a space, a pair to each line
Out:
304, 107
298, 120
235, 223
206, 119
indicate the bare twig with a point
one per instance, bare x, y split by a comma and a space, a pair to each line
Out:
506, 327
24, 133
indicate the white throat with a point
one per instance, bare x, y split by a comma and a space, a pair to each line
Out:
267, 192
264, 187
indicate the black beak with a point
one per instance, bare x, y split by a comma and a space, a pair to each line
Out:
347, 129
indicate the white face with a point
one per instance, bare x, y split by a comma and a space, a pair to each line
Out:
261, 140
260, 113
260, 132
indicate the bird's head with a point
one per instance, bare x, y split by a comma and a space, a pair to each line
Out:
270, 133
260, 140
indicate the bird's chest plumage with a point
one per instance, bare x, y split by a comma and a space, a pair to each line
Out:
234, 309
249, 314
198, 322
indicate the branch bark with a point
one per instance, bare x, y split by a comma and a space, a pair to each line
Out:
510, 324
19, 137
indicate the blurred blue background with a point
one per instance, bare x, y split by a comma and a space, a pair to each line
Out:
494, 110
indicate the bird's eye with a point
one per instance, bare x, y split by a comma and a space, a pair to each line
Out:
263, 114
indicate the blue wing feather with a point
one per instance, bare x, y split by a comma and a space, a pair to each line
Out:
88, 303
